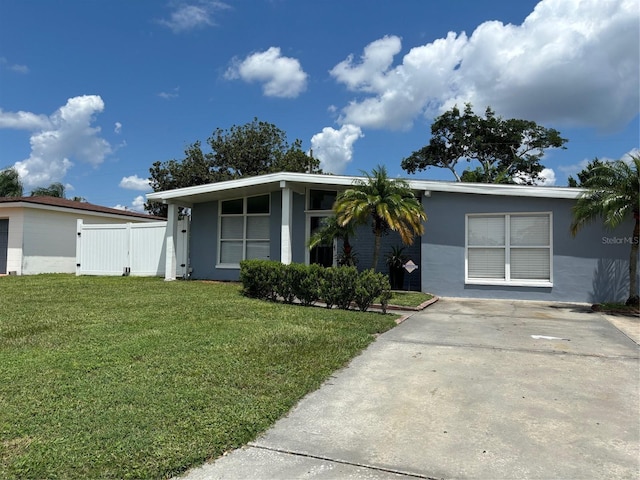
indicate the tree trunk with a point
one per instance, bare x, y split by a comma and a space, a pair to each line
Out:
376, 250
633, 263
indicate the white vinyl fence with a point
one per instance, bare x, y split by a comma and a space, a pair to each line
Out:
129, 249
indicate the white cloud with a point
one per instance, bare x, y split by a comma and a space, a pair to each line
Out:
546, 178
117, 127
138, 204
573, 169
635, 152
23, 120
134, 182
370, 74
66, 134
187, 17
169, 95
280, 76
17, 68
334, 148
573, 62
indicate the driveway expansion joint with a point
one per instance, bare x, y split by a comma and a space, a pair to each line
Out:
342, 462
514, 350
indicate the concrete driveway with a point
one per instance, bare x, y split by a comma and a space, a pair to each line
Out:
466, 389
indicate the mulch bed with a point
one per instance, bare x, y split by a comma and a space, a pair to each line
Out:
622, 310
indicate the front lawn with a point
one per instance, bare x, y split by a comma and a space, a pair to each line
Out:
120, 377
409, 299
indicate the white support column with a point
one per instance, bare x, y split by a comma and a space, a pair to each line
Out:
171, 238
285, 233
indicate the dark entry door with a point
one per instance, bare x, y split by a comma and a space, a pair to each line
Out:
322, 254
4, 244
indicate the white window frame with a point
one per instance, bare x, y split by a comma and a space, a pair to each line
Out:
507, 249
244, 239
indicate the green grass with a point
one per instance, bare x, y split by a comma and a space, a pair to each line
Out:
409, 299
139, 378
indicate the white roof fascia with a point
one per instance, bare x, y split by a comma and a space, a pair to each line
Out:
310, 179
275, 178
497, 189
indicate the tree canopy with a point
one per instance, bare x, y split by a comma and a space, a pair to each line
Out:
255, 148
613, 195
11, 186
507, 151
586, 173
10, 183
56, 189
388, 203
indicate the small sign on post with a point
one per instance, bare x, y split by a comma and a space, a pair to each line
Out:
410, 267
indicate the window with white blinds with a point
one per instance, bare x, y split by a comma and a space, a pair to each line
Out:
509, 248
244, 229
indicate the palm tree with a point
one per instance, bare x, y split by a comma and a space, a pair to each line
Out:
613, 195
56, 189
331, 230
389, 203
10, 183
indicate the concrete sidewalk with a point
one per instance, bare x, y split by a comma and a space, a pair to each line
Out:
466, 389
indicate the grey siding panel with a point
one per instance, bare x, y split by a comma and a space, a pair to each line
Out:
204, 240
363, 244
587, 268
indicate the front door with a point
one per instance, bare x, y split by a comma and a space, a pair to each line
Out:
322, 254
4, 244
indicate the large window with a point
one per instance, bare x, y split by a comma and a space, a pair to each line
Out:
512, 249
244, 230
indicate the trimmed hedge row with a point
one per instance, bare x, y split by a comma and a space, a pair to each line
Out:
335, 286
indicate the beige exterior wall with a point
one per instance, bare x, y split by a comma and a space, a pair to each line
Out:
43, 240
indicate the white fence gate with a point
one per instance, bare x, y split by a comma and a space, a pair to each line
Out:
129, 249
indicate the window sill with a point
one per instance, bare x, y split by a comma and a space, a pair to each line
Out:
229, 266
502, 283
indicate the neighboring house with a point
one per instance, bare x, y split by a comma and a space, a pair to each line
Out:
38, 234
481, 240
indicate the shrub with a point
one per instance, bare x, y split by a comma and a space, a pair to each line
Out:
336, 286
385, 296
346, 279
369, 286
307, 289
290, 276
260, 278
329, 289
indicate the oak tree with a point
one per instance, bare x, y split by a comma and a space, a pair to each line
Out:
252, 149
500, 151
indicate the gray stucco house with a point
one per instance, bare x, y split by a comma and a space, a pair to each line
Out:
480, 240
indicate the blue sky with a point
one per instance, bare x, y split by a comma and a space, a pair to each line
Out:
93, 92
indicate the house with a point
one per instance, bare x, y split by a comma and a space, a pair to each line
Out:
480, 240
38, 234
